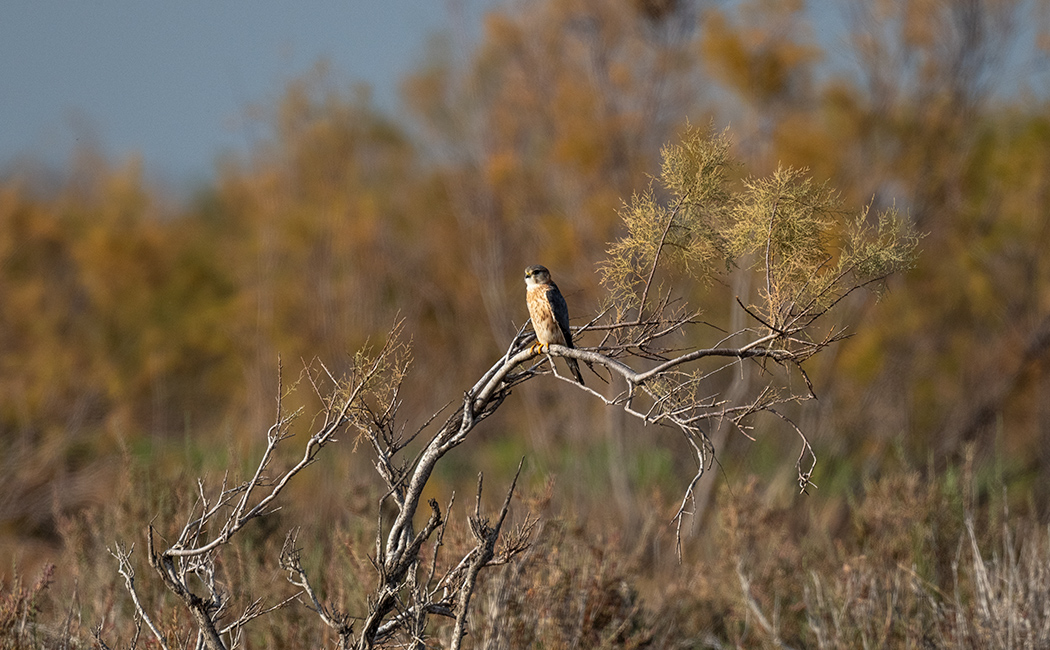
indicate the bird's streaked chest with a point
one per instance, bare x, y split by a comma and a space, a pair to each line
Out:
543, 320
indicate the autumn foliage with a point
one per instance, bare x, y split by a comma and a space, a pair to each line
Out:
140, 334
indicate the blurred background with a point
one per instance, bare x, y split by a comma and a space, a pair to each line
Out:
190, 192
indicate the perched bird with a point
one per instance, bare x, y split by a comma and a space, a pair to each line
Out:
549, 312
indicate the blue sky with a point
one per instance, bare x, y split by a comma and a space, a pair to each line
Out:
171, 79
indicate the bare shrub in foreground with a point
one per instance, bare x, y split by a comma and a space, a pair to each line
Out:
787, 230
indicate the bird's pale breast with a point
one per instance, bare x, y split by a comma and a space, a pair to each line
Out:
543, 321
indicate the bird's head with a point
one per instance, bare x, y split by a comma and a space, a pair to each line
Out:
537, 275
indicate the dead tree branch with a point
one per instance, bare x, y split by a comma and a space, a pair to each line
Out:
664, 369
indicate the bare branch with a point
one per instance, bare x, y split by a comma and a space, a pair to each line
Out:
486, 537
664, 365
290, 561
123, 557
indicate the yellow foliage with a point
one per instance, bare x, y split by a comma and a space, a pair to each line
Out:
761, 59
124, 318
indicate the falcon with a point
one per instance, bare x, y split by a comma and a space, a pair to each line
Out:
549, 313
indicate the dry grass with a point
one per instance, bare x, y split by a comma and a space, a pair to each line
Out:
915, 563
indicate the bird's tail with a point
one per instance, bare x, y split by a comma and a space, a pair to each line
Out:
575, 368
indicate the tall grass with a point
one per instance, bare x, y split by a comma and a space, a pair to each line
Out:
910, 561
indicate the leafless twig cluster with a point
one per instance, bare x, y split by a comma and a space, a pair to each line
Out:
407, 593
780, 229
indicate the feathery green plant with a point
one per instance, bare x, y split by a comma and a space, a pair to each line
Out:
791, 230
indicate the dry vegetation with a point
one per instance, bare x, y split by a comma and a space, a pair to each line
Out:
164, 365
922, 565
